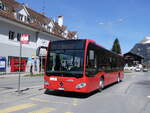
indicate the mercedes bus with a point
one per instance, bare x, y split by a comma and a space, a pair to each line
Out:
81, 66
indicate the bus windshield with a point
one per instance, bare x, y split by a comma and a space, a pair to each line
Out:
65, 63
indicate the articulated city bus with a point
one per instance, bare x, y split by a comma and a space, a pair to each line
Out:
81, 66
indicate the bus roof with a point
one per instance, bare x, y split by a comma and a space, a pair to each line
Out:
92, 41
79, 44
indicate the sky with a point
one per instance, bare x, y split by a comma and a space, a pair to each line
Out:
101, 20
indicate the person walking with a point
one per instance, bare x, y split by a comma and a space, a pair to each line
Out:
31, 69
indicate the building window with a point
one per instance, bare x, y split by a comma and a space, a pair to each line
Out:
25, 19
18, 36
20, 17
29, 19
49, 28
11, 35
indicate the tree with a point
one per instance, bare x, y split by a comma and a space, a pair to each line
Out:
116, 46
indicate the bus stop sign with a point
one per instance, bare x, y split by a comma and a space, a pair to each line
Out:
24, 39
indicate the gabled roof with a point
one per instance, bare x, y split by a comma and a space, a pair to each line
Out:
39, 19
22, 6
131, 53
10, 4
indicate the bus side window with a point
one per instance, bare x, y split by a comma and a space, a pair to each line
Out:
91, 60
91, 65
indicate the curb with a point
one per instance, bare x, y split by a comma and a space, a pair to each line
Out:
4, 76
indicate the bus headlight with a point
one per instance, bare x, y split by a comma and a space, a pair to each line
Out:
46, 82
81, 85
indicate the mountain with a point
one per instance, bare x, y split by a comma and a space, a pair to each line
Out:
143, 49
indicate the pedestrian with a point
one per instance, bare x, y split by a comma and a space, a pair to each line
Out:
31, 69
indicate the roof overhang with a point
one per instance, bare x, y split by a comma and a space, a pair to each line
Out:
27, 27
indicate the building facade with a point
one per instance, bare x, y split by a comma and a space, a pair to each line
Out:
17, 19
132, 59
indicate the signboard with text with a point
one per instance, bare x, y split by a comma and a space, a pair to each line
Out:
24, 39
2, 64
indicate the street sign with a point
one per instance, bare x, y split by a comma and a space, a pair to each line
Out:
24, 39
2, 64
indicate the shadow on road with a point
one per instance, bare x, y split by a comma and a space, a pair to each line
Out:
75, 94
144, 82
69, 94
7, 87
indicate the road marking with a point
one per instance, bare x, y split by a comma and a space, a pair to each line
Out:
60, 102
16, 108
69, 112
75, 102
43, 110
40, 100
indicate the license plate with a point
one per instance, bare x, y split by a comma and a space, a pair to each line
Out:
53, 79
60, 88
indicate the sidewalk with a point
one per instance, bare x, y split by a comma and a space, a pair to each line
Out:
12, 74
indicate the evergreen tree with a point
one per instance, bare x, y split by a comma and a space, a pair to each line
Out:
116, 46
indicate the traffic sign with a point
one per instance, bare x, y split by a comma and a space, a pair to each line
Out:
24, 39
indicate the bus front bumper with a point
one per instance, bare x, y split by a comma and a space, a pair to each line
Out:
66, 85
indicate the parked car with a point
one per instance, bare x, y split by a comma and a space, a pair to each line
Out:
137, 69
145, 70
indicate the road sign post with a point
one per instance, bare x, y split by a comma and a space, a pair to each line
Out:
19, 68
23, 40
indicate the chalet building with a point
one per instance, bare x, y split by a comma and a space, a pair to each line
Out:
132, 59
17, 19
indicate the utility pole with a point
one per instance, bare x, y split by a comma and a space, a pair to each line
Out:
41, 64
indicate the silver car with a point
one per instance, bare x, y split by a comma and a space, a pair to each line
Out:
145, 70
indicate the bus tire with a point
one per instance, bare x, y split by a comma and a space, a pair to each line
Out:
47, 91
101, 84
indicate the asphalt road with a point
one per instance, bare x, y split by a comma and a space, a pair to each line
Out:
11, 82
132, 95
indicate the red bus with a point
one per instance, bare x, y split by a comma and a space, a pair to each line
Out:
81, 66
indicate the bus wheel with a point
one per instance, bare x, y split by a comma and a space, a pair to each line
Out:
118, 79
101, 84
